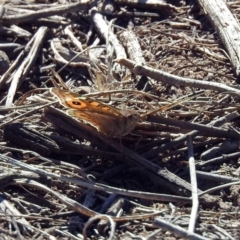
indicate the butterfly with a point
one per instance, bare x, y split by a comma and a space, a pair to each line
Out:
108, 120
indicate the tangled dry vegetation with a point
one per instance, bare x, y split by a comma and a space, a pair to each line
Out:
176, 175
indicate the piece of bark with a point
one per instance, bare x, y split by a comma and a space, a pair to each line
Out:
133, 48
228, 146
158, 5
171, 79
27, 64
68, 31
112, 42
59, 10
67, 56
227, 27
28, 138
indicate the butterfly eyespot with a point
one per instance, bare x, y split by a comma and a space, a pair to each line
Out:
76, 103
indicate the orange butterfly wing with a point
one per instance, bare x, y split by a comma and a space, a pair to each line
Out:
104, 118
76, 101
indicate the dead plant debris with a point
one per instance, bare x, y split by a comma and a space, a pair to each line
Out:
175, 175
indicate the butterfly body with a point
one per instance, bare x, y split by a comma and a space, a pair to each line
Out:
106, 119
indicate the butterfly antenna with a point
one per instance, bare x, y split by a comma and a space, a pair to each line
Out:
57, 76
